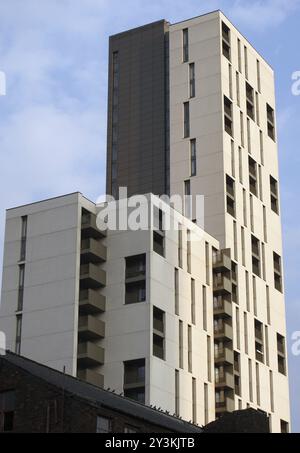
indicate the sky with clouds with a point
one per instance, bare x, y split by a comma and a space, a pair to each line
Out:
53, 118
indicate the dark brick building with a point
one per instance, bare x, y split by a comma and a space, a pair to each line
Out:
38, 399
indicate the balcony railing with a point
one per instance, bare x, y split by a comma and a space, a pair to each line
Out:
223, 330
224, 355
92, 251
89, 226
222, 284
92, 276
89, 355
91, 302
90, 328
224, 380
91, 376
222, 306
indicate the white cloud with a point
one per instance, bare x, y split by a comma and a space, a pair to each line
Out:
262, 14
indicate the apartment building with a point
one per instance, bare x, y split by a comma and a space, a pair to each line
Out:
196, 327
217, 113
130, 310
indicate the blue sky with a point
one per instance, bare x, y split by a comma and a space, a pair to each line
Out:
53, 118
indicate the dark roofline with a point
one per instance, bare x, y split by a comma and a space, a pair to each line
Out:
97, 396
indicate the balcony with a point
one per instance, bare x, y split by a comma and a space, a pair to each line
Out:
227, 405
89, 355
91, 377
222, 285
90, 328
224, 355
91, 302
92, 276
224, 331
89, 227
222, 307
225, 380
222, 261
92, 251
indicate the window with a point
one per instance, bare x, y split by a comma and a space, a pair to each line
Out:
208, 358
206, 417
249, 136
187, 199
259, 341
192, 80
257, 384
246, 61
239, 55
277, 272
193, 301
252, 176
186, 119
234, 278
274, 195
284, 427
180, 344
258, 76
255, 255
261, 146
158, 333
180, 246
230, 195
190, 350
159, 243
177, 393
242, 129
204, 302
194, 399
232, 159
176, 285
250, 101
237, 82
23, 238
134, 380
230, 81
250, 380
185, 45
135, 279
281, 354
103, 425
189, 252
271, 390
21, 286
240, 165
257, 108
7, 410
226, 41
228, 120
246, 332
193, 153
237, 326
207, 263
18, 334
270, 122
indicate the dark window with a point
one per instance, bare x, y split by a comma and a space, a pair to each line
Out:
255, 255
192, 80
252, 176
18, 333
134, 380
226, 41
271, 122
281, 354
277, 272
186, 115
250, 101
284, 427
158, 333
185, 43
259, 341
135, 279
230, 194
274, 195
193, 157
228, 123
23, 238
7, 408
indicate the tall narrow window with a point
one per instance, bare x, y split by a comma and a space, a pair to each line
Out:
180, 245
265, 224
246, 61
238, 95
232, 159
190, 350
135, 279
189, 252
230, 195
247, 290
206, 417
204, 302
23, 238
208, 358
261, 146
260, 185
237, 325
18, 334
194, 399
230, 81
251, 213
250, 101
246, 332
274, 195
240, 165
259, 341
192, 80
271, 122
258, 76
243, 246
104, 425
180, 344
187, 199
249, 136
228, 118
239, 55
254, 295
193, 301
193, 151
242, 129
284, 427
185, 45
256, 264
257, 109
245, 207
257, 384
176, 284
268, 304
250, 380
186, 119
158, 333
281, 355
271, 391
252, 176
235, 241
177, 393
21, 286
263, 260
277, 272
267, 345
207, 263
226, 41
7, 411
159, 233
